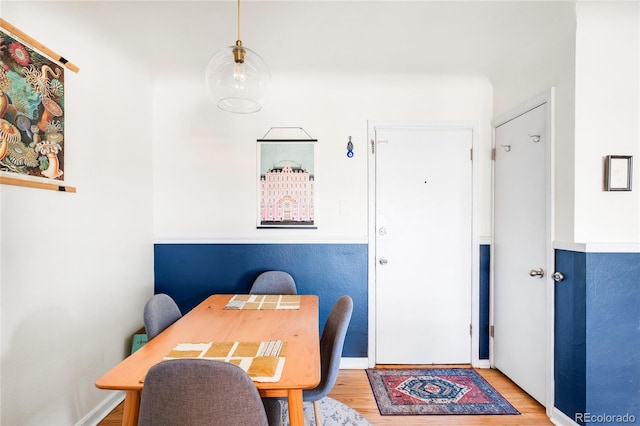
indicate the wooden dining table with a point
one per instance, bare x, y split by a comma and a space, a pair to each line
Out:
211, 322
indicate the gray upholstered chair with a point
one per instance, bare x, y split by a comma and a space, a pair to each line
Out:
274, 282
331, 343
159, 313
194, 392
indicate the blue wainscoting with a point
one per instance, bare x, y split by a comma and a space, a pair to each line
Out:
485, 258
570, 334
597, 336
191, 272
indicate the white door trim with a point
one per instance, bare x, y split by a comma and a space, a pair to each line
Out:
548, 97
475, 241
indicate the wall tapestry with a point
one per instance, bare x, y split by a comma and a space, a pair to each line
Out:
31, 111
286, 183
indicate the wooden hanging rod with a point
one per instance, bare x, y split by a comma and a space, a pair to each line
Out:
41, 47
35, 184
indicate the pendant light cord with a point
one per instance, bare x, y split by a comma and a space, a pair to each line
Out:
238, 19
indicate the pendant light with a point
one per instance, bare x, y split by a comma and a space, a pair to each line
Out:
237, 78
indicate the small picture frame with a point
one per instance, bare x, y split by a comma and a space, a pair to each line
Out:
618, 170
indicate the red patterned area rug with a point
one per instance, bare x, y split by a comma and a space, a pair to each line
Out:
435, 391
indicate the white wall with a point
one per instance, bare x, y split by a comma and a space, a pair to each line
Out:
205, 159
607, 118
596, 72
77, 268
555, 67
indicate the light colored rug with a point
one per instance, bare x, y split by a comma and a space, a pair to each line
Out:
334, 413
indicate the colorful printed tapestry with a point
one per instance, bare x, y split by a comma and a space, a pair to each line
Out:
31, 111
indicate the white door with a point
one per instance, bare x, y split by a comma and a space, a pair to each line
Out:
423, 225
520, 251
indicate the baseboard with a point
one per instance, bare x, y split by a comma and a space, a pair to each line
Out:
483, 363
558, 418
354, 363
363, 363
102, 410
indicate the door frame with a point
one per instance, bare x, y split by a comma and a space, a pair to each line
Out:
475, 246
546, 97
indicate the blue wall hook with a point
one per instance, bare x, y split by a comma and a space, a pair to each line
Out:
349, 148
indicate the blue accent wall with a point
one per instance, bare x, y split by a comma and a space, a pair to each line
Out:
613, 333
570, 334
485, 261
191, 272
597, 340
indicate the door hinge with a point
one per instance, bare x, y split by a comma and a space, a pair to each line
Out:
491, 330
374, 142
471, 154
470, 330
493, 154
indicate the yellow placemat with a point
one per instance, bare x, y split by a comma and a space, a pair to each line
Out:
264, 301
263, 361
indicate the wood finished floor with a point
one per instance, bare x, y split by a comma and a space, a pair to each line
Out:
353, 389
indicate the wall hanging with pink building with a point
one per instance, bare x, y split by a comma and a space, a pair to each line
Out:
286, 179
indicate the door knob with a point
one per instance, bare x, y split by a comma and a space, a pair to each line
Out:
382, 261
537, 273
557, 276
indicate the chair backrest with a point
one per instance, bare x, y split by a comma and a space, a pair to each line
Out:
331, 344
274, 282
159, 313
193, 392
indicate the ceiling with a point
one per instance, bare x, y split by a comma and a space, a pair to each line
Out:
452, 37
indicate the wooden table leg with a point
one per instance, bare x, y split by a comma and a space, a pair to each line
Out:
131, 408
296, 410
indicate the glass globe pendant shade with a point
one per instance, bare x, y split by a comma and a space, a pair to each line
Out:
237, 79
